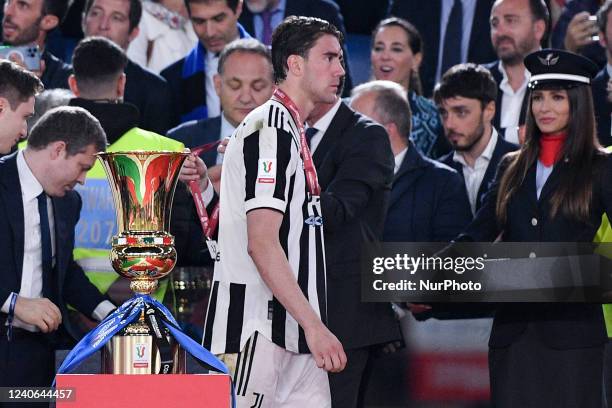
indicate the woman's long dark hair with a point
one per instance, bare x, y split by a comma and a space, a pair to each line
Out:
415, 42
573, 197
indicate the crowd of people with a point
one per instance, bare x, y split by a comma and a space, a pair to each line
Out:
483, 120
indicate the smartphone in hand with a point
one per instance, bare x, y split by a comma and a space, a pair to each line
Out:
27, 56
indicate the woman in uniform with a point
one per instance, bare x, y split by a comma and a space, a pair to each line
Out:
554, 189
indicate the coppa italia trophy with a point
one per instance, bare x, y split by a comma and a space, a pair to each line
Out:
141, 336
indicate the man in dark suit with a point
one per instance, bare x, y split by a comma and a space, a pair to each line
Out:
466, 99
245, 81
40, 211
602, 102
191, 78
27, 25
260, 18
517, 29
427, 198
354, 163
428, 20
147, 91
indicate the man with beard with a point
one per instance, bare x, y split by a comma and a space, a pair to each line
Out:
517, 28
466, 99
28, 21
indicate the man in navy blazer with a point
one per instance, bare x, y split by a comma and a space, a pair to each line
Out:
427, 199
466, 98
427, 19
251, 20
244, 81
190, 79
39, 213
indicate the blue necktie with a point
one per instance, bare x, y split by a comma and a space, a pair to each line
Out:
310, 132
451, 53
266, 19
45, 236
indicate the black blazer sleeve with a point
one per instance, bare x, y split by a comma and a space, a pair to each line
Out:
366, 166
453, 212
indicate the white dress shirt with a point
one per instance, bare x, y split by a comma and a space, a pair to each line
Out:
322, 124
399, 158
542, 174
213, 104
473, 175
165, 44
31, 276
511, 105
227, 130
469, 8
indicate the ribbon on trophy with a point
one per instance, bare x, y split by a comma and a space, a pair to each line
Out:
152, 318
124, 315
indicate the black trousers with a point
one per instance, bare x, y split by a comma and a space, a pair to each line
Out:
348, 386
528, 374
28, 360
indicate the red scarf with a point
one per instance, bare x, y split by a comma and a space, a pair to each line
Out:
550, 147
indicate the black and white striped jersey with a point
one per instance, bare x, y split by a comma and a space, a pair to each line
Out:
263, 168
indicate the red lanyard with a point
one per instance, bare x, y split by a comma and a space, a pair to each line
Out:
209, 224
309, 168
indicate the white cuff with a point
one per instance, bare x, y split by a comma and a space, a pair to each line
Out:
102, 310
208, 194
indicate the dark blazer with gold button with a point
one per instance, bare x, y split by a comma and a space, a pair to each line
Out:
558, 325
354, 164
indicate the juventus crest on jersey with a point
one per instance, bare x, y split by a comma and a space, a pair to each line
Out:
263, 168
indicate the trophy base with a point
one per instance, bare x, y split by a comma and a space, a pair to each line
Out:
134, 351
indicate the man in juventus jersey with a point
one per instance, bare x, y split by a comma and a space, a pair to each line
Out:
267, 306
